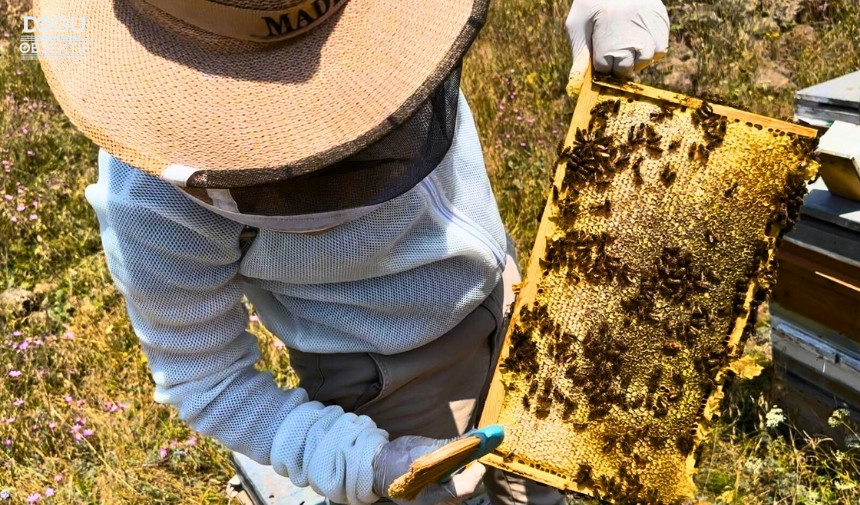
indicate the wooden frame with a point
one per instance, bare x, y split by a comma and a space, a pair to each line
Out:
588, 98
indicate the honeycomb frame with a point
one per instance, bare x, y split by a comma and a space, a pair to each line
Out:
543, 419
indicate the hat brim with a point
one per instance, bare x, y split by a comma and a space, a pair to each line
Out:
154, 99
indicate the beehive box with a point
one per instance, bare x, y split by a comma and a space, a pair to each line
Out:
654, 249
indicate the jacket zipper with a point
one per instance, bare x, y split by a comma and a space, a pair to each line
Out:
455, 217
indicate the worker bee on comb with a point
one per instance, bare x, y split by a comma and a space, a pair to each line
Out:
732, 191
668, 175
666, 111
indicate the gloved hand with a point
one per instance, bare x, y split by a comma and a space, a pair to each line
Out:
622, 36
395, 458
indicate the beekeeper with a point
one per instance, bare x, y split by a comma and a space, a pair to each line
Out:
318, 158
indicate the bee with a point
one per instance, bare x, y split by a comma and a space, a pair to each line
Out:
649, 401
542, 411
569, 407
624, 471
710, 238
665, 112
526, 402
702, 283
654, 147
598, 413
639, 460
637, 402
561, 150
651, 134
712, 145
661, 408
668, 175
554, 194
714, 363
691, 153
657, 440
703, 152
584, 476
631, 135
671, 348
609, 443
637, 175
654, 379
732, 191
603, 208
603, 109
638, 135
685, 443
674, 145
582, 136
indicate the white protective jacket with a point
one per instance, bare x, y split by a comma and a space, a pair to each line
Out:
390, 281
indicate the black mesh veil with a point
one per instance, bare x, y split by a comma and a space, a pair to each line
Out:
376, 174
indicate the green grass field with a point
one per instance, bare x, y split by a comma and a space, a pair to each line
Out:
77, 420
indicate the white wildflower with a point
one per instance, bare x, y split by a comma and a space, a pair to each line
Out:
838, 417
774, 417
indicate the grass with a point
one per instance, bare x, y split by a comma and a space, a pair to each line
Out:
76, 409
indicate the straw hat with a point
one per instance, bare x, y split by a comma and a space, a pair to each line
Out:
248, 91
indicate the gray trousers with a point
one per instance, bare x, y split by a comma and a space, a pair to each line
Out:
434, 391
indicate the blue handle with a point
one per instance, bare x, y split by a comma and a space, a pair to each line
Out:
491, 437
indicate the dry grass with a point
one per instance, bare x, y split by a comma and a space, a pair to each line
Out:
66, 333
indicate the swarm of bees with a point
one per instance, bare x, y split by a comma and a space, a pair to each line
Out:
659, 252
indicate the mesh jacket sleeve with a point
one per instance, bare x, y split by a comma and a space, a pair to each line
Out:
177, 265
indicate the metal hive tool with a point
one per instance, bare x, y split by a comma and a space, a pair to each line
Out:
654, 250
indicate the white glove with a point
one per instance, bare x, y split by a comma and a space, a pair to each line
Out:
395, 458
622, 36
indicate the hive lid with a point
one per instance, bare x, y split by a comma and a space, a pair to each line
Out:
840, 168
834, 100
